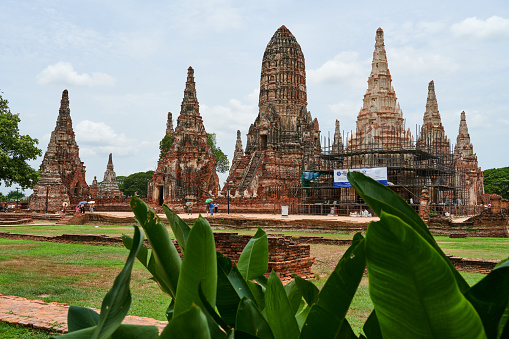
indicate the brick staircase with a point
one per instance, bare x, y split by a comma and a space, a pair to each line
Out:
64, 219
249, 174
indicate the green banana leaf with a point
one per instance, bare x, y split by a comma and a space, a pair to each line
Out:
178, 226
79, 318
279, 312
254, 259
165, 261
250, 320
490, 298
327, 315
308, 290
232, 287
412, 287
381, 198
191, 323
294, 296
371, 327
86, 324
199, 265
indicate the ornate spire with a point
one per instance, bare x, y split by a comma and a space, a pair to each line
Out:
64, 114
464, 147
239, 151
110, 163
432, 137
380, 121
190, 104
283, 79
337, 145
169, 124
432, 115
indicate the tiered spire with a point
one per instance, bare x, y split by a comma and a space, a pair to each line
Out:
169, 124
190, 105
239, 151
283, 78
464, 148
337, 145
380, 121
432, 137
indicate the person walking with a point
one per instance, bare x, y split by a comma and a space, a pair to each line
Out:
211, 206
216, 206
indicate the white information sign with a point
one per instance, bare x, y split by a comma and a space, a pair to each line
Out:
377, 173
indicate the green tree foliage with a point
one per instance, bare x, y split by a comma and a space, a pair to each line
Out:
136, 183
496, 181
222, 162
16, 150
15, 195
165, 144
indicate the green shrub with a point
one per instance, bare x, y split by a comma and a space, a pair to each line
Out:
415, 290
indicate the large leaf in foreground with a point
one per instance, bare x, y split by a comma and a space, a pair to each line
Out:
192, 323
412, 287
250, 320
381, 198
254, 259
117, 301
490, 297
165, 261
327, 315
178, 226
279, 311
199, 265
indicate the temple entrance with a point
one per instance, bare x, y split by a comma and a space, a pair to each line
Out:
263, 141
160, 199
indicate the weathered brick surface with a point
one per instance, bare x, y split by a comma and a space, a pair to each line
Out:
284, 136
63, 174
187, 172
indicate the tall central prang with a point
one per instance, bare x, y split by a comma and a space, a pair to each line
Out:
284, 136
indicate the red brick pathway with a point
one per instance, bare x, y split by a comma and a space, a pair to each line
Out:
50, 316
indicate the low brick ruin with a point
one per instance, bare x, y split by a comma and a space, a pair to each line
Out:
286, 256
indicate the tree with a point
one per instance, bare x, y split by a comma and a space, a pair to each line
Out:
136, 183
222, 162
496, 181
16, 150
15, 195
165, 144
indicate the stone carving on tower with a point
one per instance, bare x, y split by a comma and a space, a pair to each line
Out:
380, 122
469, 175
61, 165
433, 138
187, 172
284, 136
109, 186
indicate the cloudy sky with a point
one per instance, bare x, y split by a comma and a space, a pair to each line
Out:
125, 65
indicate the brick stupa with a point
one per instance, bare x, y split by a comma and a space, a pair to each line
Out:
284, 136
187, 172
62, 172
109, 186
469, 174
433, 137
380, 123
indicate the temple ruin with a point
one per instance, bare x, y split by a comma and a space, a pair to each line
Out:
424, 172
284, 136
62, 172
109, 186
187, 172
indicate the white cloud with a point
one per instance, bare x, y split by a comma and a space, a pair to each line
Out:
345, 111
195, 16
344, 67
99, 138
494, 27
409, 59
63, 73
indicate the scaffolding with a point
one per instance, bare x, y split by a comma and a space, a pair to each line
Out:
411, 167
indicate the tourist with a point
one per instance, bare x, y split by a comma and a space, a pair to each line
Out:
78, 208
216, 206
211, 205
189, 208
